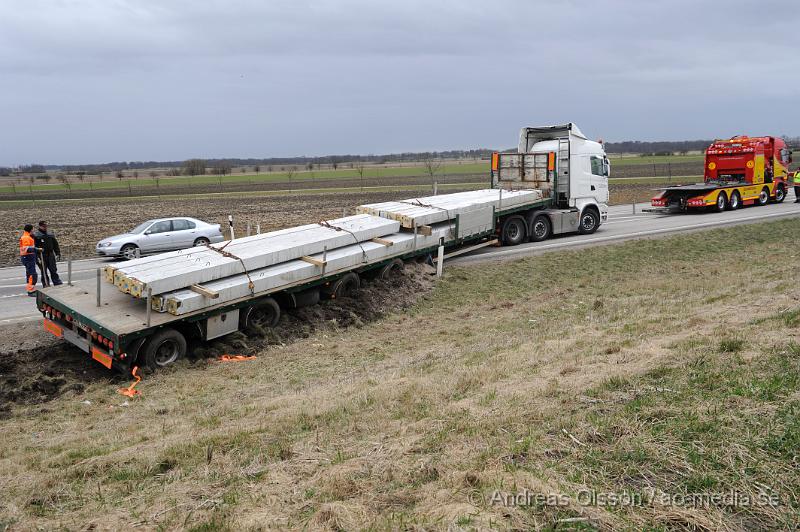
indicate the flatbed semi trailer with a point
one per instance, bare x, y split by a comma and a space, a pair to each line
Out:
120, 331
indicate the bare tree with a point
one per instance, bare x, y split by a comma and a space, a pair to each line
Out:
135, 174
174, 172
360, 171
256, 169
222, 169
432, 167
334, 165
153, 174
119, 175
194, 167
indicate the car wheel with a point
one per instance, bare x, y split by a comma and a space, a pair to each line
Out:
780, 194
129, 251
589, 222
164, 349
202, 241
763, 197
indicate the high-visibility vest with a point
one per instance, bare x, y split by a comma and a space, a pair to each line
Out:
27, 245
797, 177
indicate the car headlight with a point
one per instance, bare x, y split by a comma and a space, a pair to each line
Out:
104, 244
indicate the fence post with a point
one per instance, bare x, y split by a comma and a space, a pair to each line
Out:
98, 287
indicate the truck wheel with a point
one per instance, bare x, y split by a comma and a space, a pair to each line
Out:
590, 221
391, 269
164, 348
128, 251
541, 229
265, 314
736, 201
345, 286
513, 231
722, 202
763, 198
780, 194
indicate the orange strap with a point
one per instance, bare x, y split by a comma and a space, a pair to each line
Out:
130, 391
235, 358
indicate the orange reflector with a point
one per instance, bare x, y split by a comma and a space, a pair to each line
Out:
53, 329
495, 161
101, 357
551, 161
235, 358
130, 391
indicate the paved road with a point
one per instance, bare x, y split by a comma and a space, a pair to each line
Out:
623, 224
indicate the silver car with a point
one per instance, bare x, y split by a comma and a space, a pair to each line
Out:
162, 234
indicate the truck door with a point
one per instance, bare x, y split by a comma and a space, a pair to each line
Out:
600, 168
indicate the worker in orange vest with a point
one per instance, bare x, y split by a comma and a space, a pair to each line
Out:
27, 253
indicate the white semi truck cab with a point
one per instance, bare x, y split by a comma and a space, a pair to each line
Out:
570, 170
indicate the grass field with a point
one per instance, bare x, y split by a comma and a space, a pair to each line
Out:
554, 377
189, 181
655, 159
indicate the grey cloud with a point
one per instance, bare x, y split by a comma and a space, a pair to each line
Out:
98, 80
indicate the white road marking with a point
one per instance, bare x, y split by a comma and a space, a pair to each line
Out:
26, 318
584, 241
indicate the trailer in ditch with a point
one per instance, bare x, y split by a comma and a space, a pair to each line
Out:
120, 322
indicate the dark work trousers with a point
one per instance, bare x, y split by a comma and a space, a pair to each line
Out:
50, 264
29, 261
797, 193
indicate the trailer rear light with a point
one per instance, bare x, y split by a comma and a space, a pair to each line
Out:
69, 318
110, 344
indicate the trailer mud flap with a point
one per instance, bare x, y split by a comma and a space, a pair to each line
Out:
53, 329
101, 357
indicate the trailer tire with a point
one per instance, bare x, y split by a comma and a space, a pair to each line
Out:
589, 221
266, 314
722, 202
763, 197
164, 348
391, 269
780, 194
344, 286
128, 251
735, 201
514, 232
541, 228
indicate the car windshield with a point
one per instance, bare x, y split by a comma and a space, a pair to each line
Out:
141, 227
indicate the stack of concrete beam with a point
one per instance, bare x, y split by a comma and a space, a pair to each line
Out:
287, 274
434, 209
176, 270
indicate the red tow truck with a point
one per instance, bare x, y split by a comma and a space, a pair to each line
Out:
738, 171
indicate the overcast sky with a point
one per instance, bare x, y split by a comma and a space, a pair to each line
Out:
108, 80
